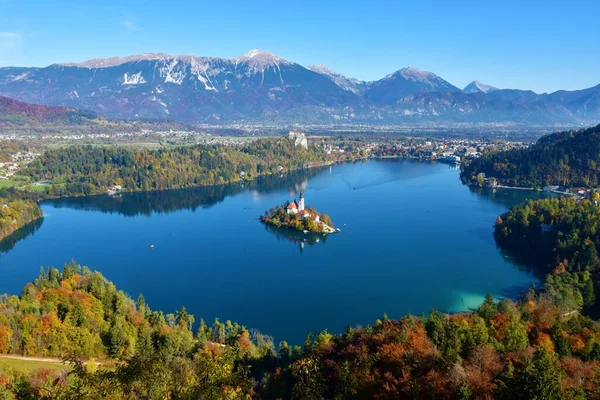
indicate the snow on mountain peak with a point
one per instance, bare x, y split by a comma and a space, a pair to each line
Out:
114, 61
253, 53
260, 57
476, 86
258, 61
415, 74
407, 81
321, 69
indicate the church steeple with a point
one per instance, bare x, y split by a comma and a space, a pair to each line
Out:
301, 203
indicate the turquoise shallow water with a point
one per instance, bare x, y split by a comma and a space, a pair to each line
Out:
413, 238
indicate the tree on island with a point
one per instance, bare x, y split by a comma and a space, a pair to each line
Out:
312, 220
327, 220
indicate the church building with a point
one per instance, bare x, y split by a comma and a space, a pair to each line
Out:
296, 207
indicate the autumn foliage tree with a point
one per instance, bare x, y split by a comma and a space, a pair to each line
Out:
528, 349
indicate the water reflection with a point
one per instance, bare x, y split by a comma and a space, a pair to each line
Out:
224, 263
509, 197
168, 201
521, 264
301, 239
10, 241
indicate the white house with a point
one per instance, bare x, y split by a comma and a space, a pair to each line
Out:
114, 189
304, 214
292, 208
295, 207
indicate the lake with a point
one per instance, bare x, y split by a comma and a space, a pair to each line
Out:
413, 238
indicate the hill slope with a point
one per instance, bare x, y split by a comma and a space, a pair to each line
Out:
20, 112
566, 158
526, 350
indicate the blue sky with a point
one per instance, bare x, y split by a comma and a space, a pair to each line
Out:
539, 45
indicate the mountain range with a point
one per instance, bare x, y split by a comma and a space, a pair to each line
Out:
263, 87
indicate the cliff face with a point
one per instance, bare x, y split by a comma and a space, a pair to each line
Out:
299, 139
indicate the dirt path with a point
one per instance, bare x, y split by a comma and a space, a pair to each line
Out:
38, 359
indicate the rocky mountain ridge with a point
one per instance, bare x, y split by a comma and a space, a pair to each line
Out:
263, 87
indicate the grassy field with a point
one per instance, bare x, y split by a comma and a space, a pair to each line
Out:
8, 183
18, 182
29, 365
37, 188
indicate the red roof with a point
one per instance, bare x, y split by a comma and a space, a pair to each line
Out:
303, 212
292, 205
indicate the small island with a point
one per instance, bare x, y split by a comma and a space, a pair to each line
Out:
293, 215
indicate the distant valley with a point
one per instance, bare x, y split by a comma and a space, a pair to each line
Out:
263, 87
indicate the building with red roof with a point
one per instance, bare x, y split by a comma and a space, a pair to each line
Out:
296, 207
304, 214
292, 208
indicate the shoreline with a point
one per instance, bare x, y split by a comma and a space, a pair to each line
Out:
327, 230
515, 188
41, 197
239, 180
504, 187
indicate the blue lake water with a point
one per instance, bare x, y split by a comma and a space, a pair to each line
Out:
413, 238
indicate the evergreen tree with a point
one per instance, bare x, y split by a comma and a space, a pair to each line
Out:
540, 379
218, 332
488, 308
141, 304
284, 351
515, 337
587, 291
436, 328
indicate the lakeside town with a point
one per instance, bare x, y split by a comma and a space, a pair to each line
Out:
17, 161
450, 150
455, 151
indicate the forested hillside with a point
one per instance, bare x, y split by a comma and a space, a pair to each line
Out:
85, 170
78, 313
532, 349
16, 214
560, 236
166, 201
568, 159
18, 112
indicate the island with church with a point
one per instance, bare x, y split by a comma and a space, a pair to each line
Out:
294, 215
